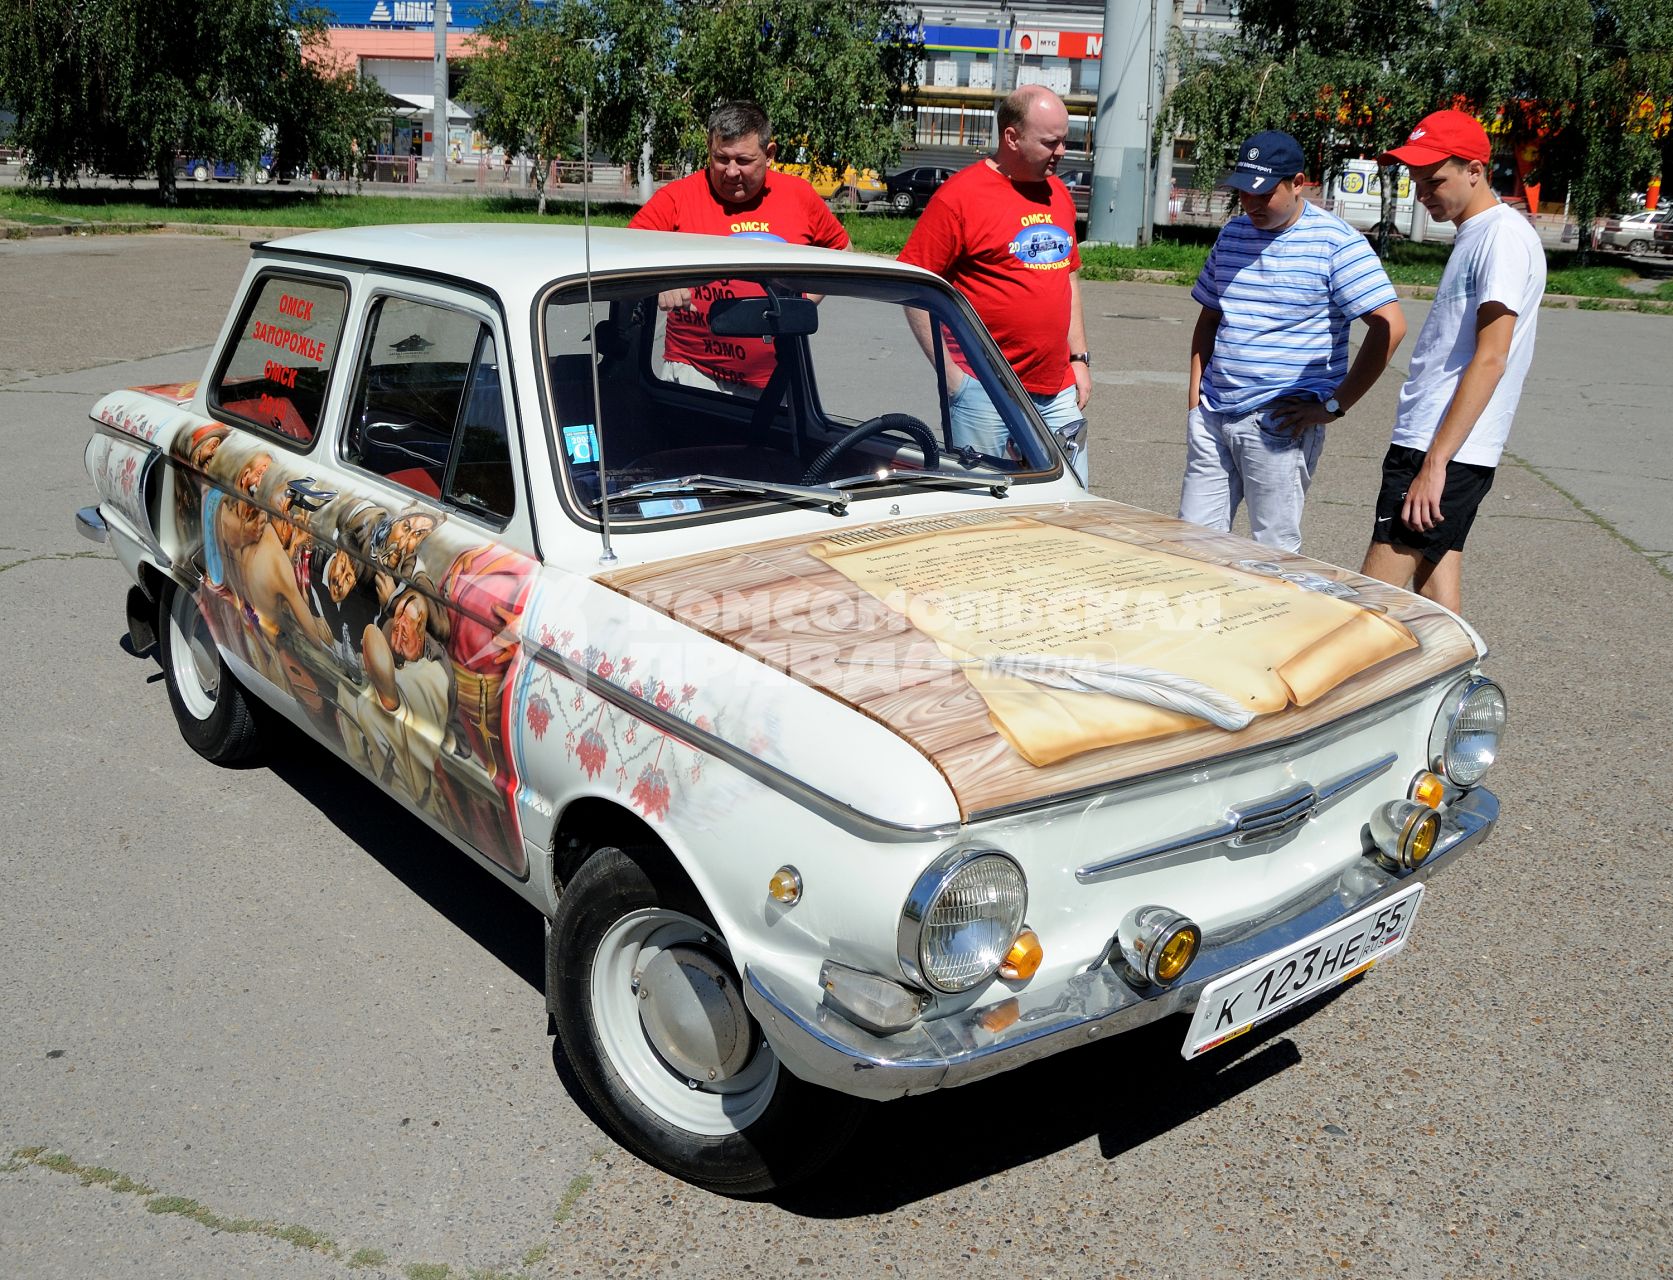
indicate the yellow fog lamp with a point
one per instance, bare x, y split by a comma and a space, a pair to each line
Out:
1157, 944
1405, 832
1428, 789
1022, 961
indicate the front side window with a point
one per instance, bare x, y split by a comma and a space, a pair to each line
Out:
428, 411
713, 389
275, 375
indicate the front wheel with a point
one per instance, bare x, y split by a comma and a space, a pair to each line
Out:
902, 201
200, 173
213, 712
651, 1017
1639, 246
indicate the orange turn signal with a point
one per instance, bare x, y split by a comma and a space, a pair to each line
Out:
1428, 790
785, 886
1022, 961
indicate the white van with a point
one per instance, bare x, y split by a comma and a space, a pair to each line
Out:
1356, 195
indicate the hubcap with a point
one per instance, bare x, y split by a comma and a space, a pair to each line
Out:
693, 1015
668, 1012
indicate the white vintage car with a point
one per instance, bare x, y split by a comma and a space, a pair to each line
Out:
847, 758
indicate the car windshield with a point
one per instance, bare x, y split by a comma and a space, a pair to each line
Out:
782, 386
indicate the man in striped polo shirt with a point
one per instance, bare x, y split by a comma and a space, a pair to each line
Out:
1269, 355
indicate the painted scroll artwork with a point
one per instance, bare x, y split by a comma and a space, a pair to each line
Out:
1077, 641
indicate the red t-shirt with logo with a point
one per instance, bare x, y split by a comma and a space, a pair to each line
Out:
1009, 249
786, 209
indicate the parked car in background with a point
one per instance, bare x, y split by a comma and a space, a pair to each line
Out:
829, 184
910, 189
844, 758
1079, 181
201, 170
1633, 232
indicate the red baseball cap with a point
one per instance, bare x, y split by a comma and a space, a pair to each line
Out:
1439, 136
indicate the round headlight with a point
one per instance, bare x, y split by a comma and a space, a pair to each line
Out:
961, 918
1465, 740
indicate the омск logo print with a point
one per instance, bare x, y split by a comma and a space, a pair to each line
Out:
1042, 244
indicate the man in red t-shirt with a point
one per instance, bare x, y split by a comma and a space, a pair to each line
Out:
738, 194
1002, 232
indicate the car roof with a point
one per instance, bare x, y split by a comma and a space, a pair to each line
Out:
520, 259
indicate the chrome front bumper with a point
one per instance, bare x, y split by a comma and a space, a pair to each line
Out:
91, 525
819, 1044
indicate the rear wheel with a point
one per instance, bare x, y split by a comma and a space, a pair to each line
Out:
651, 1017
213, 712
1639, 246
200, 173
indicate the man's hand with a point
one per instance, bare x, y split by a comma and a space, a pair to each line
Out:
673, 300
1422, 509
1083, 383
1297, 413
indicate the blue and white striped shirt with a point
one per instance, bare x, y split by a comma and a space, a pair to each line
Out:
1286, 300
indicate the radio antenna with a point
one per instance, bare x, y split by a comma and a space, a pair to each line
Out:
607, 556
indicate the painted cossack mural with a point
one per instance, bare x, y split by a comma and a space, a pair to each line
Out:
394, 630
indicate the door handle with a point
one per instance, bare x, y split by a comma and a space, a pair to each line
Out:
306, 497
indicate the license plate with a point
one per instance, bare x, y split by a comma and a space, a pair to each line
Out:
1231, 1005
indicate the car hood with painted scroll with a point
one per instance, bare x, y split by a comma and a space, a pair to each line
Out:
1044, 651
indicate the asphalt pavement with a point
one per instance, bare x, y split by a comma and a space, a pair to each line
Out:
257, 1023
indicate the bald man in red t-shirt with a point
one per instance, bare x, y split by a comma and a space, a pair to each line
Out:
1002, 232
737, 194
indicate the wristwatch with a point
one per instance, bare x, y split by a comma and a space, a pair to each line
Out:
1081, 357
1333, 407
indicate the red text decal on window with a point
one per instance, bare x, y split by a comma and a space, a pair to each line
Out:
285, 340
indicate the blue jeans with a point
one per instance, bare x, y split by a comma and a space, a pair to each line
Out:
1236, 458
975, 420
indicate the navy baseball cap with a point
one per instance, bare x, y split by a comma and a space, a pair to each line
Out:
1264, 161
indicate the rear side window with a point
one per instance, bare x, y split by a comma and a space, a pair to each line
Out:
275, 377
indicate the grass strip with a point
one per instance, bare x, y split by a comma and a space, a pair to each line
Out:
291, 1233
179, 1206
1180, 252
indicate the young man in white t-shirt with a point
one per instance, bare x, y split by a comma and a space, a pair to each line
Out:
1467, 370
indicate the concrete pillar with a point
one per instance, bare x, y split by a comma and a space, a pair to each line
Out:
1127, 88
438, 115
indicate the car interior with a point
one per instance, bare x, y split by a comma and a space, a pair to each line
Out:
835, 387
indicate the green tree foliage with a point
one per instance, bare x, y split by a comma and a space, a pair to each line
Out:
832, 74
1590, 81
530, 65
120, 86
1345, 77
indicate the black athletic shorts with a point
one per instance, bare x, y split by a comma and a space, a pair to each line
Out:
1466, 485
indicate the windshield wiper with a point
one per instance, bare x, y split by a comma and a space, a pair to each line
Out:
835, 499
995, 482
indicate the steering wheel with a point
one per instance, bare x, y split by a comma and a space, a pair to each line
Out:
904, 423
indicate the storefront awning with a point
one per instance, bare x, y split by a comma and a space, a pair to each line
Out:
423, 104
